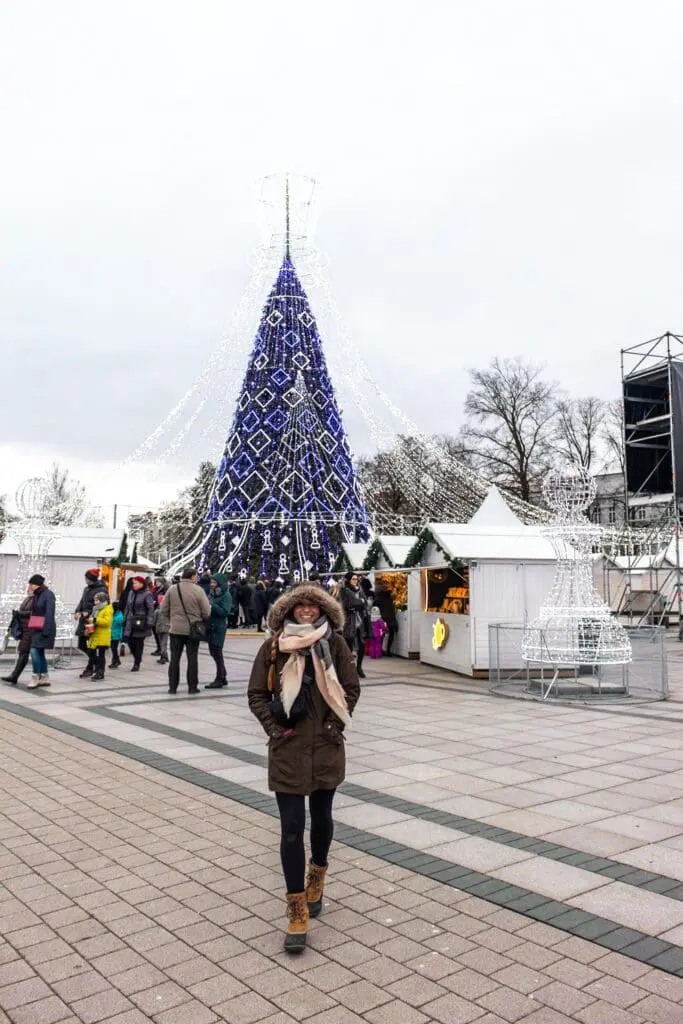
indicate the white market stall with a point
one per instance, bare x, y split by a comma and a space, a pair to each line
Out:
351, 558
385, 558
493, 569
75, 550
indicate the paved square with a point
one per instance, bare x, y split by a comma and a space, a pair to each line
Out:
494, 860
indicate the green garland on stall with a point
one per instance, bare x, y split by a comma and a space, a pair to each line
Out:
418, 549
373, 555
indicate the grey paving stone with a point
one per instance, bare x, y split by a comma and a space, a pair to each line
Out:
619, 938
593, 928
669, 960
646, 948
547, 911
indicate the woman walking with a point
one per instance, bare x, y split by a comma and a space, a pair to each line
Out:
43, 629
139, 619
20, 632
303, 689
221, 609
355, 608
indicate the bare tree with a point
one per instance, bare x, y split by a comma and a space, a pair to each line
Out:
65, 502
510, 428
198, 494
162, 534
5, 517
382, 483
579, 423
409, 484
613, 436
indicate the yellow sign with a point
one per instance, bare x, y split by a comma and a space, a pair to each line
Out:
439, 635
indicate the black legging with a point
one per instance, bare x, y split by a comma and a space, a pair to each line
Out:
356, 645
90, 652
293, 824
136, 645
216, 652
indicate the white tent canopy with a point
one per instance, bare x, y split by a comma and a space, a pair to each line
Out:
355, 554
76, 542
494, 511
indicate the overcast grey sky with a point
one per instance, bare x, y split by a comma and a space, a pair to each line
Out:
498, 177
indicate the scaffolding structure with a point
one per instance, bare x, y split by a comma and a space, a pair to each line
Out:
652, 388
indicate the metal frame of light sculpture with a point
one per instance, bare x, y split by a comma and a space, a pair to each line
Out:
575, 626
34, 537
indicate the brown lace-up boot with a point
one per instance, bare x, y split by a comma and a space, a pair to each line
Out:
315, 882
297, 912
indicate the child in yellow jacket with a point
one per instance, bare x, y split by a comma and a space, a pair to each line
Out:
99, 640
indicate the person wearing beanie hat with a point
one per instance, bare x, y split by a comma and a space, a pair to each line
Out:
43, 628
99, 640
139, 619
93, 586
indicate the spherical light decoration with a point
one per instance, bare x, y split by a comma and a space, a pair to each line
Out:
569, 489
31, 498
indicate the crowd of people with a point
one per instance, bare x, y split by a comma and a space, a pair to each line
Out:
180, 614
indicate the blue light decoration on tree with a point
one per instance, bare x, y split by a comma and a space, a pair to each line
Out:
286, 494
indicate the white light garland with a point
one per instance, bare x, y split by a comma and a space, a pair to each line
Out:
446, 489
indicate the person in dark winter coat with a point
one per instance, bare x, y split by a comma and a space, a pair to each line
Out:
22, 634
246, 600
355, 606
261, 604
234, 588
93, 586
139, 619
158, 592
43, 629
216, 589
303, 689
385, 603
273, 590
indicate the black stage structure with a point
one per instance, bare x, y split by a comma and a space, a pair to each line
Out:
652, 389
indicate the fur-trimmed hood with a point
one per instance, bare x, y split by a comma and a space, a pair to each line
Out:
305, 593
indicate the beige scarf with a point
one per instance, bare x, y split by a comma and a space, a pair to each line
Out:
296, 640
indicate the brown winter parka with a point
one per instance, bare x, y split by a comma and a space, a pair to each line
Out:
314, 757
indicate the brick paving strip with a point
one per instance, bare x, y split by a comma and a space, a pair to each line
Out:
609, 867
129, 894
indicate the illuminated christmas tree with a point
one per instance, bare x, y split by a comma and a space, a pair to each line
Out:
286, 494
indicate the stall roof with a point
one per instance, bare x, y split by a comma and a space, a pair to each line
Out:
396, 547
494, 511
355, 554
76, 542
520, 543
507, 543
